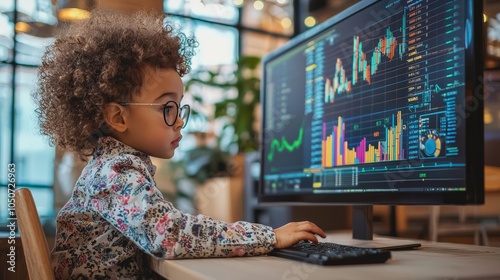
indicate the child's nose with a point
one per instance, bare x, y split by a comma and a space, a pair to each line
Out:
179, 122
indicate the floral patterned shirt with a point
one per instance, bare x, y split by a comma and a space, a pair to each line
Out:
116, 215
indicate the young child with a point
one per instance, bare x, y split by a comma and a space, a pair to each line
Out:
111, 88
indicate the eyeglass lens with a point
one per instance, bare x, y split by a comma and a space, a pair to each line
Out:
171, 112
185, 111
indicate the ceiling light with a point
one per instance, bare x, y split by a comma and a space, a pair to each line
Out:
258, 5
22, 27
238, 2
71, 10
310, 21
286, 22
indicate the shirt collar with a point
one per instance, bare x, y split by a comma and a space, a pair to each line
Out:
111, 146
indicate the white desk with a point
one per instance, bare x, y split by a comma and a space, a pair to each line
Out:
431, 261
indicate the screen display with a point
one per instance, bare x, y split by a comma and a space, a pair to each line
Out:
373, 102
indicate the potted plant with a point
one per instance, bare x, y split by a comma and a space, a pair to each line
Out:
240, 99
220, 195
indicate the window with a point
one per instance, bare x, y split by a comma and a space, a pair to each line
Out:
6, 42
218, 44
222, 11
33, 156
20, 141
5, 120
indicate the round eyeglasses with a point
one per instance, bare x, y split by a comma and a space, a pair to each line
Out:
171, 111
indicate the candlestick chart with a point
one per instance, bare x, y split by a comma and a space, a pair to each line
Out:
369, 95
364, 66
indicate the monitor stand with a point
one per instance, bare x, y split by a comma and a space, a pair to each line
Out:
362, 232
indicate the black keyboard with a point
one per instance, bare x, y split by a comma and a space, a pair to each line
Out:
325, 253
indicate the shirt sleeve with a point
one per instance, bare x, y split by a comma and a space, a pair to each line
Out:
134, 206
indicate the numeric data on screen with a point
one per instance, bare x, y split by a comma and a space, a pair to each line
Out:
379, 92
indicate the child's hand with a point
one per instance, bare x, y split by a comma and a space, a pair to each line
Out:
292, 233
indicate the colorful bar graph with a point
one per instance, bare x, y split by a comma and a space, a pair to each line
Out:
336, 151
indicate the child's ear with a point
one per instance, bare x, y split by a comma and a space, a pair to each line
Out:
115, 116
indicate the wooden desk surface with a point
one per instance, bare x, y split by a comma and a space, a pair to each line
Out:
431, 261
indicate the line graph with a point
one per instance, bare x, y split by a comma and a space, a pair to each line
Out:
282, 144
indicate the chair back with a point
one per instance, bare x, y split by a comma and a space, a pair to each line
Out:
35, 248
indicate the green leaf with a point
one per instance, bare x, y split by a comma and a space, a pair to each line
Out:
246, 80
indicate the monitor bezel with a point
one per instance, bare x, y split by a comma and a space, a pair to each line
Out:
474, 193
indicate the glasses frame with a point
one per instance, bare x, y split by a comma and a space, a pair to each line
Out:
180, 110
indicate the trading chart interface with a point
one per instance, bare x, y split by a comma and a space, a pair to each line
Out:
374, 101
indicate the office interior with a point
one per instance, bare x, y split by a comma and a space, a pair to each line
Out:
224, 184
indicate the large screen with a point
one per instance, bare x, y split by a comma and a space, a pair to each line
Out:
381, 104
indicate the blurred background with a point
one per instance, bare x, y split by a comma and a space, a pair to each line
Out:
216, 167
233, 36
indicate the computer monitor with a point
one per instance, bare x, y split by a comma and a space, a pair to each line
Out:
380, 104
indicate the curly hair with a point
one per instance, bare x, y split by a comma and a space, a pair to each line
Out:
102, 60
